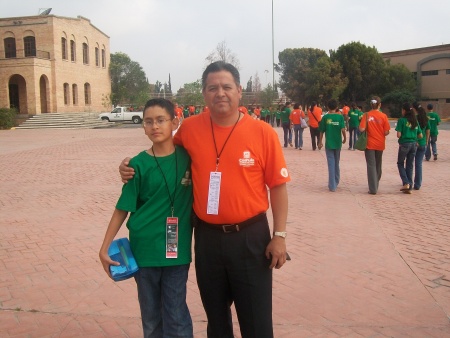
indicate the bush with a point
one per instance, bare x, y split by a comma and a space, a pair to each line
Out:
7, 118
395, 100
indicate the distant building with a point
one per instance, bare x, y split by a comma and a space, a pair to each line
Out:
431, 66
52, 64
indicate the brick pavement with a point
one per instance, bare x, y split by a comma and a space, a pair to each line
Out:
362, 265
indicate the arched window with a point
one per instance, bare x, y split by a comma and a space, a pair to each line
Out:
75, 94
66, 94
85, 53
72, 51
64, 48
29, 43
87, 93
103, 58
97, 57
10, 47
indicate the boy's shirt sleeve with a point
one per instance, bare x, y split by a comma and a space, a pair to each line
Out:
130, 191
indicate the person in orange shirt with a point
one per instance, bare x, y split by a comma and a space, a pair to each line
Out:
314, 117
257, 112
377, 129
178, 112
234, 250
296, 119
345, 110
243, 110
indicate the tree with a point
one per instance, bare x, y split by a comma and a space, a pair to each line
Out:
128, 80
249, 87
362, 66
222, 53
257, 84
395, 100
308, 73
190, 94
397, 78
268, 96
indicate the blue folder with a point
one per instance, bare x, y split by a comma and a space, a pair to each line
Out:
120, 251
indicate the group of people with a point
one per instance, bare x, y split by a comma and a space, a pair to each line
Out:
417, 135
212, 165
416, 131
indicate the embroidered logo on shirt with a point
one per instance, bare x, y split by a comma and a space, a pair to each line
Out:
284, 172
247, 161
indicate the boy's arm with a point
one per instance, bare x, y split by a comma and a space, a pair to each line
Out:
344, 135
115, 223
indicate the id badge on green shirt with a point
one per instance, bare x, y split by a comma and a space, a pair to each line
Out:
172, 237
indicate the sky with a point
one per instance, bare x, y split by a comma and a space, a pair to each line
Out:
175, 36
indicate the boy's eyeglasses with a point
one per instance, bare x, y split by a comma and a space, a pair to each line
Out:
159, 122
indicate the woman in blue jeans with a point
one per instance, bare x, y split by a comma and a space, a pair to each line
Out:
408, 132
424, 126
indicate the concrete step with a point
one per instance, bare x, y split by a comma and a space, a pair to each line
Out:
65, 121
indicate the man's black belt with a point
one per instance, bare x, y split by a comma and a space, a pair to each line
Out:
227, 228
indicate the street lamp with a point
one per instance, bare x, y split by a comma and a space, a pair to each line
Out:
273, 55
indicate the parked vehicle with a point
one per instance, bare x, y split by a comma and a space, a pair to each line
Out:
122, 114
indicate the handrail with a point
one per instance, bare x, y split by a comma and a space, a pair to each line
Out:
20, 53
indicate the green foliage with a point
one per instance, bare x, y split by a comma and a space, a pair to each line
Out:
7, 118
267, 96
397, 78
128, 81
362, 66
191, 94
308, 74
395, 99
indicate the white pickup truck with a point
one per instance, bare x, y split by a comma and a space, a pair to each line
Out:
122, 114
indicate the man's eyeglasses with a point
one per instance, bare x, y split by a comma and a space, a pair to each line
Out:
159, 122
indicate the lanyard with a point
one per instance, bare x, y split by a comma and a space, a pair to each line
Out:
214, 139
172, 198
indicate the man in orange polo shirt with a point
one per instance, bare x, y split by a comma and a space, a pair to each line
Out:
234, 250
314, 117
345, 110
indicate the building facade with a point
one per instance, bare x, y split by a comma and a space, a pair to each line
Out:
431, 66
52, 64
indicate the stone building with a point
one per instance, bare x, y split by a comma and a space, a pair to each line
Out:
52, 64
431, 66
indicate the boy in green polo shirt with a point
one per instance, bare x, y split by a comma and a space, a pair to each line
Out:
354, 117
333, 125
159, 199
434, 120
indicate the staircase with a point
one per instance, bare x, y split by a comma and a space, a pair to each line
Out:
65, 121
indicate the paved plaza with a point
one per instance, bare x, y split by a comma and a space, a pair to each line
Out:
362, 265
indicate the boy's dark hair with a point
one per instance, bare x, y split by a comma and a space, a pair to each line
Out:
332, 104
219, 66
297, 106
429, 106
163, 103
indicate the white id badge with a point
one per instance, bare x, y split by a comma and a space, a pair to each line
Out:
214, 193
172, 237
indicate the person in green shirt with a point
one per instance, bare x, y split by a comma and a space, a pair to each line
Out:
278, 116
354, 117
408, 132
434, 119
424, 126
333, 126
286, 124
159, 199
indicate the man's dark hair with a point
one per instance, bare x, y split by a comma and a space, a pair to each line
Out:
163, 103
219, 66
